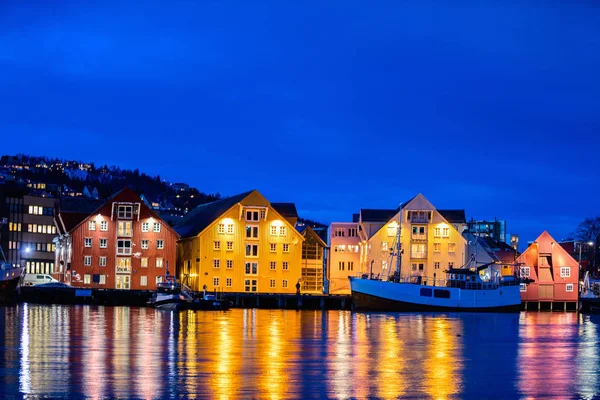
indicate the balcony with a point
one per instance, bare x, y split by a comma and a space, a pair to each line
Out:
418, 254
418, 236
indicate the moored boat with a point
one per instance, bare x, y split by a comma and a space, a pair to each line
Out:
10, 276
171, 295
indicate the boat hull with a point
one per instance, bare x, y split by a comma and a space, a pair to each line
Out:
389, 296
8, 290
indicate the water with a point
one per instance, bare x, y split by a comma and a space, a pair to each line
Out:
108, 352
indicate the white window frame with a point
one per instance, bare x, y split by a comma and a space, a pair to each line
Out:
124, 250
122, 228
249, 250
437, 232
284, 284
229, 245
156, 227
145, 226
385, 246
286, 247
159, 262
451, 247
217, 245
125, 268
87, 242
569, 287
285, 265
565, 272
273, 247
272, 284
143, 280
216, 263
251, 285
273, 265
87, 279
229, 264
437, 247
525, 272
523, 287
445, 232
216, 281
160, 244
228, 282
125, 211
436, 265
91, 225
253, 214
221, 228
103, 279
105, 241
273, 230
282, 230
251, 266
87, 261
102, 261
144, 262
230, 229
254, 232
103, 226
145, 244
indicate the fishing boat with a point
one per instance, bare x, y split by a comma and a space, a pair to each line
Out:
469, 288
172, 295
10, 276
589, 295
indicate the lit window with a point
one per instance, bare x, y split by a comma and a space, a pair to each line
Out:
103, 225
87, 279
565, 272
284, 283
273, 230
229, 264
156, 227
445, 232
216, 263
392, 230
230, 230
263, 214
285, 265
103, 243
102, 261
437, 247
103, 279
437, 232
273, 265
88, 242
286, 248
215, 281
228, 282
145, 226
451, 247
144, 262
123, 247
217, 245
87, 261
229, 246
92, 225
251, 268
384, 246
282, 231
145, 244
273, 247
160, 244
159, 263
124, 228
143, 281
272, 283
221, 228
123, 265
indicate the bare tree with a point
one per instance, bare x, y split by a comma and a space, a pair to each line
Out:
588, 230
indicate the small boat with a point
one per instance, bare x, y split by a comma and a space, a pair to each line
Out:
10, 276
171, 295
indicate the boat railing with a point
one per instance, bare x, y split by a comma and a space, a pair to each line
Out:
491, 284
187, 292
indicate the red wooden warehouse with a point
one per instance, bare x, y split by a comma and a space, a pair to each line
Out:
555, 274
123, 244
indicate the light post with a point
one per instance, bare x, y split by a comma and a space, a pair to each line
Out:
580, 245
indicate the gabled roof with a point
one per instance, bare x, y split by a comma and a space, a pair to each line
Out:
376, 215
202, 216
454, 216
307, 230
286, 210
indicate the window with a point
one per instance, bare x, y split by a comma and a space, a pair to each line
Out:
418, 233
352, 232
282, 231
159, 263
125, 211
144, 262
145, 226
284, 284
229, 264
158, 279
445, 232
103, 243
286, 248
216, 263
87, 279
425, 292
565, 272
103, 226
523, 287
228, 282
436, 265
437, 232
339, 248
251, 268
229, 246
273, 230
216, 281
251, 232
102, 261
418, 250
569, 287
230, 231
524, 272
103, 279
123, 247
221, 228
251, 215
350, 265
384, 265
341, 266
123, 265
92, 225
273, 265
437, 247
145, 244
421, 266
251, 250
263, 214
143, 281
250, 285
156, 227
285, 265
124, 228
272, 283
441, 294
273, 247
217, 245
451, 247
160, 244
87, 261
391, 230
451, 264
88, 242
384, 246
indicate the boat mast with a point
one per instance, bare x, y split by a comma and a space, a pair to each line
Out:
398, 246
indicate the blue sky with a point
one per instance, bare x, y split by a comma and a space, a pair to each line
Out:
493, 107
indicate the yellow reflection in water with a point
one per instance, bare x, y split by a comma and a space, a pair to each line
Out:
340, 353
442, 378
390, 361
121, 355
361, 382
94, 358
272, 354
223, 382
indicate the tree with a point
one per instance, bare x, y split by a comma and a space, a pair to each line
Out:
588, 230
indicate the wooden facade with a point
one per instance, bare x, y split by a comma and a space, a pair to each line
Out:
122, 245
554, 271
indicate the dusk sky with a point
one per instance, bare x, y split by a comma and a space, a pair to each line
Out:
493, 107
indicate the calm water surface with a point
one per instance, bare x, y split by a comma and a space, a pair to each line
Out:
107, 352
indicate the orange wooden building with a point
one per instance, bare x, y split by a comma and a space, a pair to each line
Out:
121, 245
555, 274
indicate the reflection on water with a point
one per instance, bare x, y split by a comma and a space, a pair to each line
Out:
101, 352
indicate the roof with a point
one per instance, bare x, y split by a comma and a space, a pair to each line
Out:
376, 215
306, 229
454, 216
205, 214
83, 205
286, 210
71, 219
